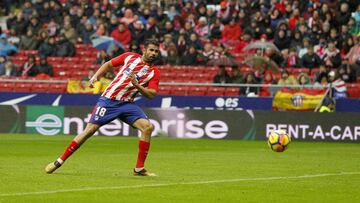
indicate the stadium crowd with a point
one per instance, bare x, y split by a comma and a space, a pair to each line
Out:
311, 34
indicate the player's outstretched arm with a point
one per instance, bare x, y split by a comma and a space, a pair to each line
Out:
103, 69
147, 92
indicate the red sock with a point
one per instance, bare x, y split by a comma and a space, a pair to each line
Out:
73, 146
143, 151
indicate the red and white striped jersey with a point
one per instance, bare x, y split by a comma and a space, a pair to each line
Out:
121, 87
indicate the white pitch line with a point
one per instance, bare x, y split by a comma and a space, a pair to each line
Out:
183, 183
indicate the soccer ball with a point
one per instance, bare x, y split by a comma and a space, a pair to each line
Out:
278, 140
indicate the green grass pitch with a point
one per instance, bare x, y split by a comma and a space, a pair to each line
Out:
188, 171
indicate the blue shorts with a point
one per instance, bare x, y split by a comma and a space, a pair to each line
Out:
107, 110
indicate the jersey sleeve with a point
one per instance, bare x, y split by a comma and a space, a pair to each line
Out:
154, 81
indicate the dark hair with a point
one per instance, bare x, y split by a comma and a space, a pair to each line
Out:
151, 41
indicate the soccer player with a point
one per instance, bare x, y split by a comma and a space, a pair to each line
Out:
136, 74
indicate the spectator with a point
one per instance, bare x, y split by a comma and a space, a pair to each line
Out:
287, 79
48, 48
304, 48
27, 10
332, 56
275, 17
6, 49
338, 85
13, 38
18, 23
45, 13
113, 24
135, 48
172, 12
69, 32
244, 41
128, 17
137, 31
222, 76
267, 80
216, 30
327, 105
202, 28
319, 49
231, 33
64, 48
354, 53
353, 27
271, 54
89, 76
115, 51
29, 68
152, 31
44, 67
102, 57
122, 35
303, 79
296, 41
347, 45
101, 29
181, 44
28, 41
190, 57
236, 76
169, 29
34, 25
3, 61
293, 59
8, 70
322, 81
310, 59
172, 57
194, 41
87, 34
52, 28
166, 45
344, 15
209, 54
346, 73
249, 91
281, 40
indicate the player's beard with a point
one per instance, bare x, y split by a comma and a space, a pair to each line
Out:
149, 59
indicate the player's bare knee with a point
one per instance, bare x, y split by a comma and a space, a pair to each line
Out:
148, 129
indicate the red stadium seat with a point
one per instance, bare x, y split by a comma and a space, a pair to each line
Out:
206, 76
58, 87
232, 91
55, 60
216, 91
196, 69
62, 73
164, 90
6, 86
197, 90
40, 87
182, 77
353, 90
179, 90
23, 87
71, 60
87, 60
79, 74
179, 69
246, 69
300, 70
